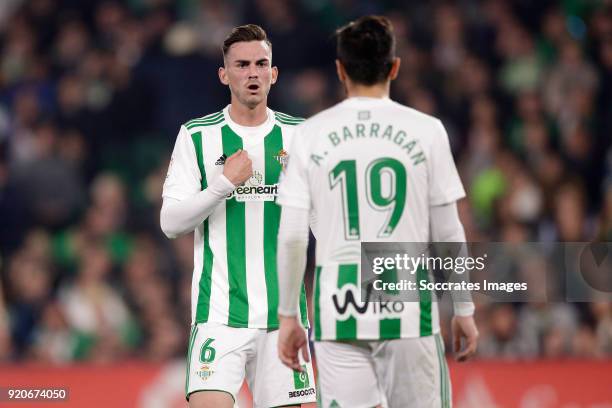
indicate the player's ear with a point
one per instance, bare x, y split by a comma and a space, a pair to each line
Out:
274, 74
340, 71
223, 76
395, 66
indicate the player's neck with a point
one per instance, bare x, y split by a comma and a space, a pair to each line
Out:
368, 91
246, 116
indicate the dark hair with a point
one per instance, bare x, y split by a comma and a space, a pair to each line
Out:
248, 32
366, 48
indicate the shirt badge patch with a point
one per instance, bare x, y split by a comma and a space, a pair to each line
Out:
282, 157
205, 372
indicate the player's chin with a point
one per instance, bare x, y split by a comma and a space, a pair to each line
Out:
253, 99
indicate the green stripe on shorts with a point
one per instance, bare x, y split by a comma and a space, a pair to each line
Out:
192, 337
444, 381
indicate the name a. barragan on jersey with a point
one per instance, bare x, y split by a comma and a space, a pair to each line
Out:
357, 131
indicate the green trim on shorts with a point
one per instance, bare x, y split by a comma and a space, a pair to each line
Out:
444, 381
192, 336
203, 390
441, 371
318, 390
449, 387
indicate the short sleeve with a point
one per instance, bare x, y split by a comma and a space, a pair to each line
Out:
445, 185
293, 189
183, 179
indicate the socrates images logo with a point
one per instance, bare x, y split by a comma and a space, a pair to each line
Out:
205, 372
300, 379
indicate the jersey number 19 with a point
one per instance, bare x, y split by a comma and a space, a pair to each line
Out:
392, 201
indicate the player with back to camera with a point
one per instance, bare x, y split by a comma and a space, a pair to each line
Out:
371, 170
221, 183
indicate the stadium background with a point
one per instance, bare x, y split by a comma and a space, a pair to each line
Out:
92, 93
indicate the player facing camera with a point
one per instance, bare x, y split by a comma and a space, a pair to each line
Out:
222, 183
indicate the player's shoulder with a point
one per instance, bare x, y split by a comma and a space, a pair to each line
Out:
428, 127
207, 121
390, 107
286, 119
323, 117
413, 115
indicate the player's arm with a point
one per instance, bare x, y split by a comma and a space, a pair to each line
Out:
291, 259
185, 205
179, 217
182, 216
446, 226
294, 197
291, 263
445, 189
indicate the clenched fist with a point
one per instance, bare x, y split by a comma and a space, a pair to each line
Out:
238, 167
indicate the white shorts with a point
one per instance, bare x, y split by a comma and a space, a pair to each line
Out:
219, 357
393, 373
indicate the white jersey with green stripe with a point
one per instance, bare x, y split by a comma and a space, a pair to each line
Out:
235, 276
370, 169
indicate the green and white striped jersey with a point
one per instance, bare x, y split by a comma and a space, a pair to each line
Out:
369, 169
235, 276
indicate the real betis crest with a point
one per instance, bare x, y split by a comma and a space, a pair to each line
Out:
282, 157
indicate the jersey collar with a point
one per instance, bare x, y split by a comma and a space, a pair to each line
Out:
251, 135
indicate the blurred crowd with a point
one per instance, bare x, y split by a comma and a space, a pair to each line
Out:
92, 95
